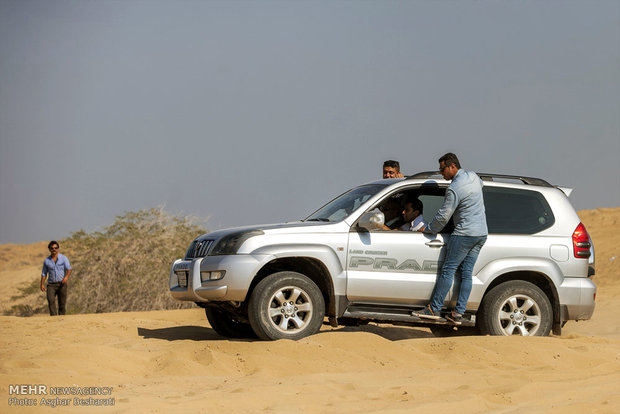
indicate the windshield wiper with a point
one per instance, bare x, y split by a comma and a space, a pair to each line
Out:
318, 219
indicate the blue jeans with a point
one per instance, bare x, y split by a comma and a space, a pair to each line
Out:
461, 251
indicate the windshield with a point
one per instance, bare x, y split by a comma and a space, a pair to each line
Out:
343, 205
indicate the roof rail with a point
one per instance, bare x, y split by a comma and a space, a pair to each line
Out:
425, 174
488, 177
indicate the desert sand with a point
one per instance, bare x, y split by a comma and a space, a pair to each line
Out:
172, 361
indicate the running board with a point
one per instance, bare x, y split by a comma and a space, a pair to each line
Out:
388, 314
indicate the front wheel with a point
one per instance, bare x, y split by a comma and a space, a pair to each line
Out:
286, 305
516, 308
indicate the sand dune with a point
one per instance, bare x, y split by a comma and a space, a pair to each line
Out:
171, 361
20, 265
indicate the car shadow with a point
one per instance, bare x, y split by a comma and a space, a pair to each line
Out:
180, 333
391, 333
201, 333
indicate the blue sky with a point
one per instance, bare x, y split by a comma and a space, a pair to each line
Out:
251, 112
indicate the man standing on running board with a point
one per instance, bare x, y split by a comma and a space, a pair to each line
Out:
463, 202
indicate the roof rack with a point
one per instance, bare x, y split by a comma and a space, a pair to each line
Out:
488, 177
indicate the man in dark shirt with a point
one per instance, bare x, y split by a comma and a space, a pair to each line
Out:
392, 211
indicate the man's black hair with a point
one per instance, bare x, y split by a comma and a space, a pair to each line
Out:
53, 242
396, 199
392, 164
449, 159
416, 204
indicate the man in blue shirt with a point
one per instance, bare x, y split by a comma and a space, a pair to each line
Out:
58, 268
465, 204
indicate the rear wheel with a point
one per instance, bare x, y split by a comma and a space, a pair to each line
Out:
286, 305
516, 308
226, 324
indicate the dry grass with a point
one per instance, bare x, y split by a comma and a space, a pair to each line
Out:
126, 266
13, 256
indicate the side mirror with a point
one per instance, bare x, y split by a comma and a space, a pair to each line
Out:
371, 220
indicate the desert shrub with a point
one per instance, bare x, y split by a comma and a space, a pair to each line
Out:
23, 310
126, 266
31, 288
32, 301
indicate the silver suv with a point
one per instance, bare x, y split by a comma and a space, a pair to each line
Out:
282, 281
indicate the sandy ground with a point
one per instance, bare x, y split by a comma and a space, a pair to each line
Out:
172, 361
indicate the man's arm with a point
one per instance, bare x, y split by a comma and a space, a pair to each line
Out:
43, 277
389, 229
64, 279
69, 269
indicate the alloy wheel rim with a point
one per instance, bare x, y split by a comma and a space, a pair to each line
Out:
519, 315
290, 309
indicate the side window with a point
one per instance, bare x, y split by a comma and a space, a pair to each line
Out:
516, 211
431, 196
432, 203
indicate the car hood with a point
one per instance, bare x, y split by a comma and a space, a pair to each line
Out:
291, 227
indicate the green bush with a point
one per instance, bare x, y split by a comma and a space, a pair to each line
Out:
126, 267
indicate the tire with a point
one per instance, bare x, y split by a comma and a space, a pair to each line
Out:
286, 305
225, 324
516, 308
446, 331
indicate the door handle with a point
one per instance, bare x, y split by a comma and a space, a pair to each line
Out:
435, 243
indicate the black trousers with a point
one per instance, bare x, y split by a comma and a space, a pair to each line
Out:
60, 290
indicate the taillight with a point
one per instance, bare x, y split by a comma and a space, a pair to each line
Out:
581, 242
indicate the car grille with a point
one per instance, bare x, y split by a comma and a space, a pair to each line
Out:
198, 248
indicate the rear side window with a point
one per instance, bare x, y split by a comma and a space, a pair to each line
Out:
516, 211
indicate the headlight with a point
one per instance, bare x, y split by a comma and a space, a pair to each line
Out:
205, 276
231, 243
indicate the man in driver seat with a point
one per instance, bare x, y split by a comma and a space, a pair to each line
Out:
392, 211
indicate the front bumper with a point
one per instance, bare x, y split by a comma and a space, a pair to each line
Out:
577, 299
239, 271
